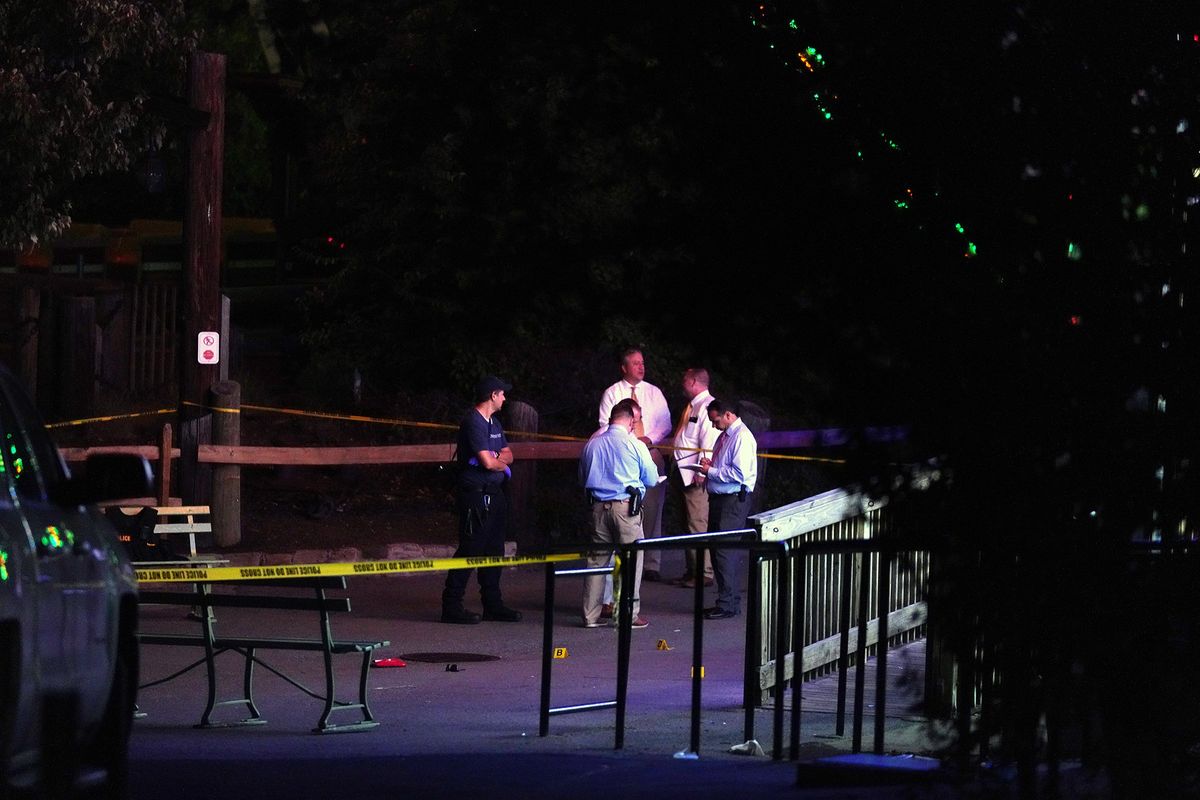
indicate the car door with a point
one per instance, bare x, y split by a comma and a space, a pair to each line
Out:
71, 590
20, 688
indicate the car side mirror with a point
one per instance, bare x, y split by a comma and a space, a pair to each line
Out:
110, 476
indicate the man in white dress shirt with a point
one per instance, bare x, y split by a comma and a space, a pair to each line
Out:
694, 438
655, 429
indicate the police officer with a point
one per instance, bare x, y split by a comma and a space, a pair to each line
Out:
484, 458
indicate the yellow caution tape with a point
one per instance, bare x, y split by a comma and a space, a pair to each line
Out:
401, 423
185, 574
109, 418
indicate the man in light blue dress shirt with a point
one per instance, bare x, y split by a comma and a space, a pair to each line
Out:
615, 464
730, 476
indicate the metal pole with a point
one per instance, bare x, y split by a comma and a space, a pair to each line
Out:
547, 644
844, 643
798, 639
784, 585
860, 670
884, 600
751, 690
624, 638
697, 646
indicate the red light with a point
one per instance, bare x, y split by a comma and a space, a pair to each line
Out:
328, 240
342, 246
1076, 319
1070, 196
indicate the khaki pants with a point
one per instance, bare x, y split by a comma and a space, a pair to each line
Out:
611, 524
695, 506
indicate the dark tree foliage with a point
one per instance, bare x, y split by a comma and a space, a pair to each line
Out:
76, 82
517, 184
1058, 370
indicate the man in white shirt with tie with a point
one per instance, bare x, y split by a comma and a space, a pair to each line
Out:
730, 476
654, 429
694, 438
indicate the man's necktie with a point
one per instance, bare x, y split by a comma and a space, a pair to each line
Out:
684, 415
718, 446
639, 430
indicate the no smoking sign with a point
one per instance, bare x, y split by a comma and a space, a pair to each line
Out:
208, 347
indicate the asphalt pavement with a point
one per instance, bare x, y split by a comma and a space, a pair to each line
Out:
461, 718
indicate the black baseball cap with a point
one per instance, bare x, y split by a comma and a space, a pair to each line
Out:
491, 383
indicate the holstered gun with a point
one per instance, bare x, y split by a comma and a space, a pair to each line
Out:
635, 500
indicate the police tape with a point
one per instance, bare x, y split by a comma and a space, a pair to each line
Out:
109, 418
185, 573
665, 448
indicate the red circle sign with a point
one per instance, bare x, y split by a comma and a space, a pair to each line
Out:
208, 355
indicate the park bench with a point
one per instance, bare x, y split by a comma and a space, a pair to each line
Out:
286, 594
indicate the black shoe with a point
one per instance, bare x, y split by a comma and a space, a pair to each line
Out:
720, 613
651, 575
460, 616
501, 614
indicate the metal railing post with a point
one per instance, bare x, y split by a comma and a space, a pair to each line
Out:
697, 647
629, 559
547, 646
881, 648
798, 649
847, 589
783, 585
860, 669
751, 686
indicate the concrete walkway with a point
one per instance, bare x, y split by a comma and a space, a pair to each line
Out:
475, 729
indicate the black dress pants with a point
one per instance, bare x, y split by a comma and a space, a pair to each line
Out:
482, 521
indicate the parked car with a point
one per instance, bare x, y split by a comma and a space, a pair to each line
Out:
68, 612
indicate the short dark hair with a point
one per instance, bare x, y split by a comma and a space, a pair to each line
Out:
715, 406
623, 408
627, 352
698, 374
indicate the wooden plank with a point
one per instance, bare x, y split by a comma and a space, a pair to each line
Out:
813, 513
546, 450
183, 527
167, 511
148, 451
320, 456
905, 668
826, 651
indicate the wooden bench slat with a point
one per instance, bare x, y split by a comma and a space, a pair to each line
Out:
334, 604
248, 642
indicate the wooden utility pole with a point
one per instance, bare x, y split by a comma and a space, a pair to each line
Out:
202, 222
226, 397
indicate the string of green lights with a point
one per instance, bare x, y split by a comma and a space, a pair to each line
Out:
802, 56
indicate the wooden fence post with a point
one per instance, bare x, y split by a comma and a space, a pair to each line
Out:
226, 400
521, 489
164, 466
195, 479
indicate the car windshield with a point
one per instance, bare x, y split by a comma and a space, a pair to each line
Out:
29, 457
